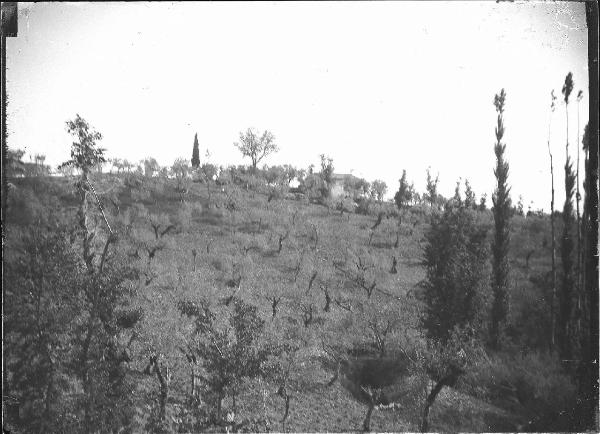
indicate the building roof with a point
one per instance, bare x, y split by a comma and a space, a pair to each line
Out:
340, 176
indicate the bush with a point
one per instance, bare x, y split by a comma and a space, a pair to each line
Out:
183, 218
41, 299
363, 206
345, 205
532, 385
455, 257
55, 368
529, 321
228, 345
314, 186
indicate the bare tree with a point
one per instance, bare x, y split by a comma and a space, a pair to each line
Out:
298, 266
194, 254
381, 328
192, 361
274, 299
313, 276
307, 314
282, 238
325, 290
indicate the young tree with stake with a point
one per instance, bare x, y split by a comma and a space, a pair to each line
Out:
100, 355
85, 154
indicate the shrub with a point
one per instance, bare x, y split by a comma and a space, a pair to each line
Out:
530, 322
403, 195
41, 299
455, 259
313, 186
228, 346
532, 385
363, 206
183, 218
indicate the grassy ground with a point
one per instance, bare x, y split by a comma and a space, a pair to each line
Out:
244, 242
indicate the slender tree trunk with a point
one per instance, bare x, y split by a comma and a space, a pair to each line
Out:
208, 188
219, 405
85, 375
287, 411
4, 195
448, 380
164, 389
193, 378
553, 299
367, 421
47, 403
335, 376
579, 245
565, 325
88, 255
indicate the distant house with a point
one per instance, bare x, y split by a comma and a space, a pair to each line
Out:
338, 183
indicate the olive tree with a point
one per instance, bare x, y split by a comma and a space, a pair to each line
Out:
378, 189
256, 146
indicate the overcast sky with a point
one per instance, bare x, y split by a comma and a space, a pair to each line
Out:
378, 86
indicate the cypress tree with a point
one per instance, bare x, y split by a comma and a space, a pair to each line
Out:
502, 213
196, 153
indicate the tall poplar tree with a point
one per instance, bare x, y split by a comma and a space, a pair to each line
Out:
502, 213
553, 301
567, 245
579, 283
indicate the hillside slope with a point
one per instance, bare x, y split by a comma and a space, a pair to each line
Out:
320, 278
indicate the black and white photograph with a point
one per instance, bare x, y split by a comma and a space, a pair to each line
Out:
304, 216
